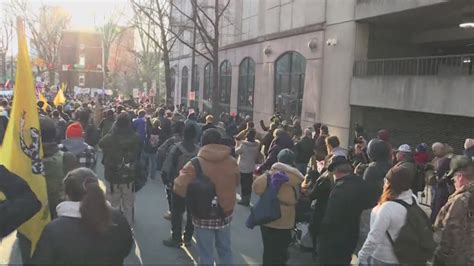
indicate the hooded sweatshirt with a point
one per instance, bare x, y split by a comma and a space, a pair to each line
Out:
220, 167
379, 154
247, 152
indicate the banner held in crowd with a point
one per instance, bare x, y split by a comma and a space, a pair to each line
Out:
22, 150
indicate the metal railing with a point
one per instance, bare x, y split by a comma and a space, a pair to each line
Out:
450, 65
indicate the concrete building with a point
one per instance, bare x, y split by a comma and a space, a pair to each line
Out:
396, 64
80, 57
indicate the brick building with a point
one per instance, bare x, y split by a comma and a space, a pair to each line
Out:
81, 59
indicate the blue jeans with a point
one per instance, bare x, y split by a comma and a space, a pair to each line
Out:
149, 159
207, 238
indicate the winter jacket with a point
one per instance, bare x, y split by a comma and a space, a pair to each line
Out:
20, 203
67, 241
117, 145
266, 142
319, 190
248, 153
303, 150
197, 128
164, 148
85, 154
340, 225
106, 125
207, 126
280, 143
219, 166
457, 224
287, 194
320, 148
469, 153
389, 217
380, 155
3, 127
56, 165
139, 125
152, 133
165, 129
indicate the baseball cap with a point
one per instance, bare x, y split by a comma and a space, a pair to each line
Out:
458, 162
337, 161
404, 148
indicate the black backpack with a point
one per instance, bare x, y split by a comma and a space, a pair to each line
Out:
415, 243
201, 197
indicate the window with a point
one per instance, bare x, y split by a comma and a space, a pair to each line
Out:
172, 85
246, 86
195, 87
289, 84
225, 84
207, 87
82, 60
184, 85
82, 79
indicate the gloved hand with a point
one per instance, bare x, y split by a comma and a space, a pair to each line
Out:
278, 179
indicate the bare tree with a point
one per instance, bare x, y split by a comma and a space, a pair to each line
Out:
6, 34
46, 26
110, 32
149, 54
206, 17
153, 19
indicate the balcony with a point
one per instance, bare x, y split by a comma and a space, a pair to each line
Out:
451, 65
435, 84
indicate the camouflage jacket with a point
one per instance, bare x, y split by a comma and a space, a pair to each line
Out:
456, 220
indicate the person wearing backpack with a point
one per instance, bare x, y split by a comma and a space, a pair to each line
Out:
151, 146
162, 153
404, 157
276, 235
75, 144
391, 220
121, 148
180, 155
456, 218
209, 183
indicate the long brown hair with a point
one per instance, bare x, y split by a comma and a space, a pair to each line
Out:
398, 180
82, 185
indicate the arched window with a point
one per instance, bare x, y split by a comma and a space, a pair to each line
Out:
207, 87
172, 85
289, 84
225, 84
184, 85
246, 86
195, 87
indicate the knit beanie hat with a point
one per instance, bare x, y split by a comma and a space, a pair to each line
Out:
74, 131
286, 156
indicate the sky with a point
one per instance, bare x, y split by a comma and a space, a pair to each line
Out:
85, 14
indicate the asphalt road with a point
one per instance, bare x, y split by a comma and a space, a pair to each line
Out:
151, 228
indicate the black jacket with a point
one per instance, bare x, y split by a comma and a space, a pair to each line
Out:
303, 150
20, 204
379, 153
340, 225
67, 241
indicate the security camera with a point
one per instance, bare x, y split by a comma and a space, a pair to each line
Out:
331, 42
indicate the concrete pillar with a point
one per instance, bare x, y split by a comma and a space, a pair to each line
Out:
234, 88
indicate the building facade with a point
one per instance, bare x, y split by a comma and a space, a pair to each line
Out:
80, 57
392, 64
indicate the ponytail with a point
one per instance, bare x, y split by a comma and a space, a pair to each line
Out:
94, 209
82, 185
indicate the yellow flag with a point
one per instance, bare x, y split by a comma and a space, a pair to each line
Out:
59, 99
22, 151
43, 99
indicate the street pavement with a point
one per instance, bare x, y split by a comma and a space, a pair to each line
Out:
151, 228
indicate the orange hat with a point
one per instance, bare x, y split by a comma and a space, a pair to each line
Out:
74, 131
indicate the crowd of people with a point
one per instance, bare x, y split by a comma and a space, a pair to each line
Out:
360, 201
